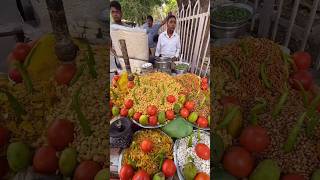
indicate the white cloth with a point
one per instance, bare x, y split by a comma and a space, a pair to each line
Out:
168, 47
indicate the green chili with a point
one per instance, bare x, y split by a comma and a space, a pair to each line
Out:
162, 157
293, 134
91, 62
84, 123
138, 80
282, 100
311, 125
257, 109
264, 75
134, 97
14, 103
190, 140
78, 74
25, 76
234, 67
199, 139
229, 117
313, 106
245, 49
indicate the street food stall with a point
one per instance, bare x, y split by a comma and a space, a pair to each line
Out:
267, 100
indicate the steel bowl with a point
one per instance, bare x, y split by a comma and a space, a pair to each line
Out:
175, 154
179, 71
163, 64
234, 29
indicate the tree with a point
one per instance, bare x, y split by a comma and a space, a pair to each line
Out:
65, 49
138, 10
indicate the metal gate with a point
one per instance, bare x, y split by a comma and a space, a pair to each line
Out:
193, 28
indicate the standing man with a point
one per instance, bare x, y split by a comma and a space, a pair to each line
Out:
152, 30
169, 41
116, 13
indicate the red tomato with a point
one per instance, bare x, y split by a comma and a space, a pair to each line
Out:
87, 170
189, 105
169, 168
21, 51
116, 77
304, 77
124, 112
141, 175
152, 110
184, 112
292, 177
146, 146
128, 103
203, 151
130, 84
45, 160
4, 136
60, 134
202, 122
170, 115
302, 60
136, 116
171, 99
126, 172
238, 162
229, 100
204, 87
254, 139
202, 176
15, 76
153, 121
204, 80
64, 73
4, 167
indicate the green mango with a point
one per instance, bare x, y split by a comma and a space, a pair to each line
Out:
218, 148
102, 174
162, 117
266, 170
115, 111
159, 176
182, 99
189, 171
176, 108
178, 128
193, 117
68, 161
316, 175
143, 120
19, 156
235, 126
130, 112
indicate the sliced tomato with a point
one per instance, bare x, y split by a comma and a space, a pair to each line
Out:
130, 84
152, 110
141, 175
60, 134
146, 146
202, 122
171, 99
45, 160
302, 60
202, 151
136, 116
124, 112
86, 170
184, 112
169, 168
170, 115
254, 139
153, 121
126, 172
189, 105
202, 176
128, 103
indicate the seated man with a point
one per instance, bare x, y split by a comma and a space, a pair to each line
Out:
169, 41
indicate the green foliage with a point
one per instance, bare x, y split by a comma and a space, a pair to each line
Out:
138, 10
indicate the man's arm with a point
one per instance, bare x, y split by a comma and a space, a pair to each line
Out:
178, 48
158, 49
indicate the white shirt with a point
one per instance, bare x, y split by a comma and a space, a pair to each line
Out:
168, 47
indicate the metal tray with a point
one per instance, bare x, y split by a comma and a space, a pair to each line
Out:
175, 154
122, 152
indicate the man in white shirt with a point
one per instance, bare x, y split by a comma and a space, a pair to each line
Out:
169, 41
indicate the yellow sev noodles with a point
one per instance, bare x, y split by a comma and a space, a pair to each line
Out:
153, 89
149, 162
